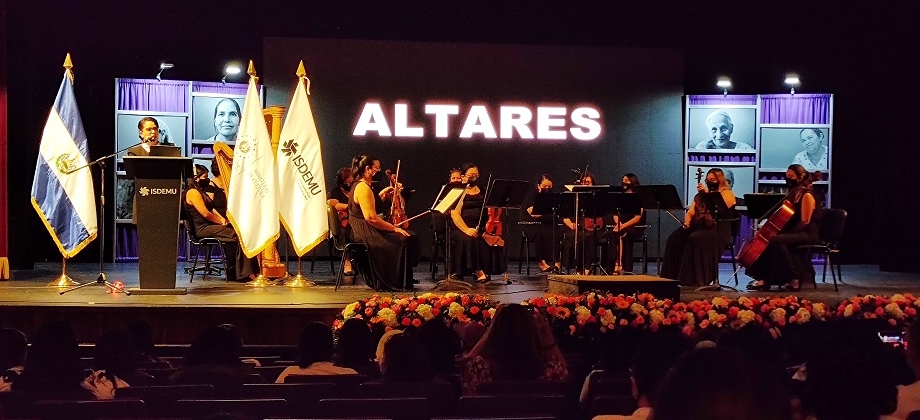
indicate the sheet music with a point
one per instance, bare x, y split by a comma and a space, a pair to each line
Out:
449, 200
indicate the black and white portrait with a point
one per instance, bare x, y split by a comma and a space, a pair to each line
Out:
216, 118
783, 146
722, 128
172, 129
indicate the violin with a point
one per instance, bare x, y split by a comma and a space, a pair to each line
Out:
398, 204
780, 215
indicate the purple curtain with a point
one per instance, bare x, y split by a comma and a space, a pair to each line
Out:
153, 95
722, 99
218, 87
795, 109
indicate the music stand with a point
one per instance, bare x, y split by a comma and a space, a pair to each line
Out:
660, 197
506, 194
619, 203
580, 191
759, 205
720, 213
444, 202
548, 203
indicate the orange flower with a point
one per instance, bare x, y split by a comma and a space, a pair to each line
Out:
406, 321
474, 310
416, 322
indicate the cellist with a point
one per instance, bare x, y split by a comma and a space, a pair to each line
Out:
469, 249
782, 263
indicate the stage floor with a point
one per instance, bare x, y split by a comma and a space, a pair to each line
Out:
30, 288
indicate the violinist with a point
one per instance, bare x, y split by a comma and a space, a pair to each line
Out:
587, 237
692, 252
624, 231
782, 263
469, 248
387, 245
337, 198
543, 235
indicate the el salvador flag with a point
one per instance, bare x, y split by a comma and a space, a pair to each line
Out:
65, 201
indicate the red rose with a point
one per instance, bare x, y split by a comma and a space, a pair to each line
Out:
892, 322
474, 310
551, 310
406, 321
384, 305
601, 311
416, 322
413, 306
369, 311
640, 320
733, 312
880, 311
435, 311
910, 311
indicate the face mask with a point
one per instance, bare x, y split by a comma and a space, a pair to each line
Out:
472, 181
626, 186
791, 182
713, 186
204, 183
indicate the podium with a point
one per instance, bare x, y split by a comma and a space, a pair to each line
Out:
158, 195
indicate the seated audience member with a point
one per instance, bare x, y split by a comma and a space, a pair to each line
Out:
404, 360
470, 334
315, 357
52, 369
441, 345
356, 348
851, 375
759, 347
379, 355
714, 384
13, 347
141, 334
655, 356
114, 359
511, 350
909, 395
214, 359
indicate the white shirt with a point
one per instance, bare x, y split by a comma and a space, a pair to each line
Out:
908, 400
802, 159
318, 368
641, 413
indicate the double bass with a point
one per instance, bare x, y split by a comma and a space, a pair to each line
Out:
780, 215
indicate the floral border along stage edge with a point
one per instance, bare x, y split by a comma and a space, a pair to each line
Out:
593, 313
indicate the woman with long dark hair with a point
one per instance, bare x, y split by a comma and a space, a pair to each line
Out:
545, 234
625, 231
782, 263
586, 235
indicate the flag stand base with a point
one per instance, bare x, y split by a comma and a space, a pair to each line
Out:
299, 281
64, 280
260, 281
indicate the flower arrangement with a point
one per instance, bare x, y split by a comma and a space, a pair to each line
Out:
589, 315
386, 313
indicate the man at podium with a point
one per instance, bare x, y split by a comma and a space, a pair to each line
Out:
148, 130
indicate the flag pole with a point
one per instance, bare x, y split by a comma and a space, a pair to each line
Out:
64, 280
260, 280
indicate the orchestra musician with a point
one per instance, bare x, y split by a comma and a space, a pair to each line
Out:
387, 245
692, 252
456, 176
543, 235
208, 223
219, 190
337, 198
782, 263
468, 246
625, 231
587, 237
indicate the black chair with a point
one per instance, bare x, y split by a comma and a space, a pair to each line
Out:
301, 398
158, 399
344, 383
524, 255
391, 408
331, 253
441, 395
212, 265
344, 246
438, 243
734, 228
87, 410
258, 408
622, 405
481, 406
830, 231
522, 388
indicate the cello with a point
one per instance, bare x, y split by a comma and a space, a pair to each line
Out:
398, 205
780, 215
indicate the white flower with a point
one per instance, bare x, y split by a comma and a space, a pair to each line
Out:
491, 312
778, 314
424, 310
388, 316
803, 315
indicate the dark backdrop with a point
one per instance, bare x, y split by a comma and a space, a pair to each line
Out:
863, 53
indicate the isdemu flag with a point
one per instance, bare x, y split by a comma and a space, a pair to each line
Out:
301, 183
62, 194
252, 196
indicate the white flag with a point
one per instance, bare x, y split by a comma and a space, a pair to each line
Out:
252, 196
301, 183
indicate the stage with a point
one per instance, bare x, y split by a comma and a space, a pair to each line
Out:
275, 314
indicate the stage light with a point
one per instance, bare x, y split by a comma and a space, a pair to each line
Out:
164, 66
792, 80
232, 69
724, 83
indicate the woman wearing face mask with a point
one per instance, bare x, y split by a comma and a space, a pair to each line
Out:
624, 231
782, 263
692, 252
587, 236
387, 245
543, 233
469, 249
200, 204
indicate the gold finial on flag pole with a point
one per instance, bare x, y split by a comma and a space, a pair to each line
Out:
251, 71
68, 66
302, 73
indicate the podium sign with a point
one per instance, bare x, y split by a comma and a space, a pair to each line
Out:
158, 194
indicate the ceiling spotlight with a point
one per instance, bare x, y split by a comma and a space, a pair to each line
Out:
724, 83
231, 70
792, 80
164, 66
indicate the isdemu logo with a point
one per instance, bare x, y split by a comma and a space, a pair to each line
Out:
157, 191
511, 121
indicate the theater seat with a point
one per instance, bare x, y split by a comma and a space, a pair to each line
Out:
87, 410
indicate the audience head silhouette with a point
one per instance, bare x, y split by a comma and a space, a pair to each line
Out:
52, 366
512, 345
219, 345
315, 344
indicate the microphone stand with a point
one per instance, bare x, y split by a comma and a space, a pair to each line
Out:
101, 279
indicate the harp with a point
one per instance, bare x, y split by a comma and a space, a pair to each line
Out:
269, 260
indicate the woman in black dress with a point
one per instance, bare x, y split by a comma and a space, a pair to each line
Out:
782, 263
386, 244
201, 206
692, 252
587, 236
544, 236
337, 198
470, 250
625, 231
